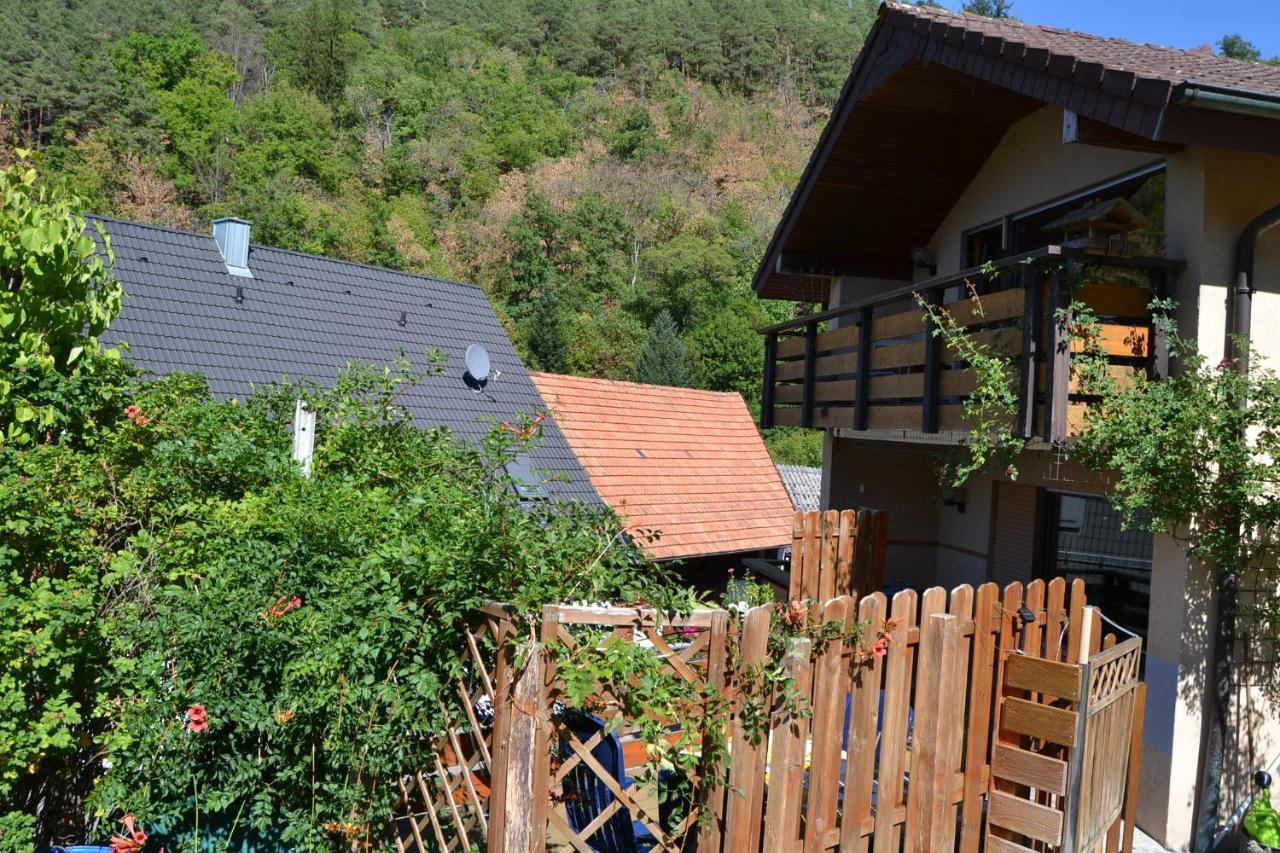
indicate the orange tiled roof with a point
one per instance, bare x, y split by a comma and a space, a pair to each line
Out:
687, 463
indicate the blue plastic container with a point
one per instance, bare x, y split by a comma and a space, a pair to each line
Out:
77, 848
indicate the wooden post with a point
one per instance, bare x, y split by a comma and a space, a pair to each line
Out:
1158, 362
932, 358
810, 366
521, 827
936, 753
1031, 346
860, 399
1057, 368
770, 379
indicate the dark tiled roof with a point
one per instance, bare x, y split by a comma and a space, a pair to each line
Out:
1151, 61
304, 317
804, 485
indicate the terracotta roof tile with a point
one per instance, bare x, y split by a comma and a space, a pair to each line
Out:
688, 463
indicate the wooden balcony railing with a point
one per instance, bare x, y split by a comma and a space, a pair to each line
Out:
876, 364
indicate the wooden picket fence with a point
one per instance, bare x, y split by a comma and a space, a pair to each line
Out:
941, 730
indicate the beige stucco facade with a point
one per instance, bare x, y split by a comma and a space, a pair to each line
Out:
1210, 195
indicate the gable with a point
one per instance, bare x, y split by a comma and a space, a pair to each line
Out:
933, 92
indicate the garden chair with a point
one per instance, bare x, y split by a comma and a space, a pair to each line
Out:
587, 796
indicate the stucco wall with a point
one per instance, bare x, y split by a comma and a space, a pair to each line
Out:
1029, 166
1212, 195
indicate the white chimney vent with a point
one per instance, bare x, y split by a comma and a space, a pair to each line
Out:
233, 241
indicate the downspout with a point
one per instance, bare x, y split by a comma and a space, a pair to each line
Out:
1239, 326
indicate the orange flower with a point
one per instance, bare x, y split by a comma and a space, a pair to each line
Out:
134, 839
283, 716
197, 719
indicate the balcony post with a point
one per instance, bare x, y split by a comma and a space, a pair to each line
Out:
1158, 358
1032, 300
810, 357
770, 379
862, 395
932, 358
1057, 367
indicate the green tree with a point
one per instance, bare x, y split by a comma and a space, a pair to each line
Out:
662, 361
1236, 46
57, 295
545, 335
635, 136
989, 8
320, 47
726, 351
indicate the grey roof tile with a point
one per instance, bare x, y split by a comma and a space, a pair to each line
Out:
804, 485
307, 316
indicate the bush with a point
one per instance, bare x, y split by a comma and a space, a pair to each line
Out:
182, 560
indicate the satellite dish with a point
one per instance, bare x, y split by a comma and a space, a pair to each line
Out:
476, 374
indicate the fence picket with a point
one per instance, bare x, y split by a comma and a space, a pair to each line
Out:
893, 728
848, 533
986, 622
933, 602
830, 688
827, 568
788, 736
746, 773
863, 723
937, 750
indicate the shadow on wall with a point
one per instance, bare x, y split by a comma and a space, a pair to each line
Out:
1253, 735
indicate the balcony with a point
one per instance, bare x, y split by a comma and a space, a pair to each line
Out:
875, 366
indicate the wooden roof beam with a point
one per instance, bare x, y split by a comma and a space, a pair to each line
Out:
1082, 130
807, 264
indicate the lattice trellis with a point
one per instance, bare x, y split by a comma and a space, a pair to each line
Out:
446, 805
699, 659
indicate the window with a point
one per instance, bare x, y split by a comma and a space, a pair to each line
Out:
983, 244
1144, 190
1085, 539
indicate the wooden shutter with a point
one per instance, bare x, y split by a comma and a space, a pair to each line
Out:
1014, 538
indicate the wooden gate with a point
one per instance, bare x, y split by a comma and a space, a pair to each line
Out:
1064, 765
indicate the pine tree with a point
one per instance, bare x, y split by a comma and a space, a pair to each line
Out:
662, 361
546, 336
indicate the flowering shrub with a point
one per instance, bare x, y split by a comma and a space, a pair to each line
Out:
202, 634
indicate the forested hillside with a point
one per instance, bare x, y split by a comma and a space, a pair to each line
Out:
591, 163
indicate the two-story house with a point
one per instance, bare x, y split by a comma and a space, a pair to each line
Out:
1058, 156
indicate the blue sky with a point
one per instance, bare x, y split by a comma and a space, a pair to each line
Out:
1177, 23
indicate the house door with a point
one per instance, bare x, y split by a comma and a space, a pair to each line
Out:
1084, 538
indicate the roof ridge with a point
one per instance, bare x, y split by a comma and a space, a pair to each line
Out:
627, 382
188, 233
931, 12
